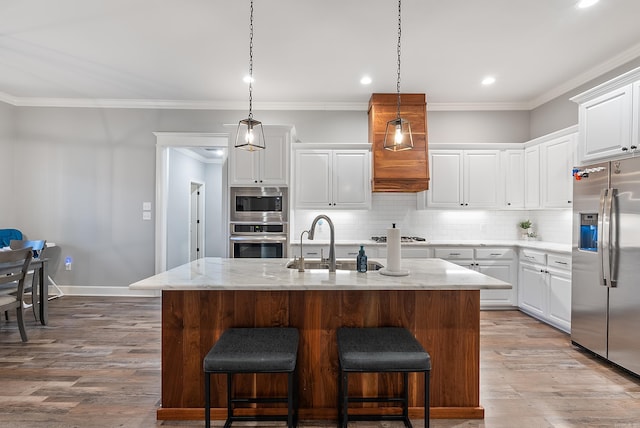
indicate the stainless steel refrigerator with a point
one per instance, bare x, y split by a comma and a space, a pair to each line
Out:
605, 299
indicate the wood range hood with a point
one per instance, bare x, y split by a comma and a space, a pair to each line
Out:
403, 171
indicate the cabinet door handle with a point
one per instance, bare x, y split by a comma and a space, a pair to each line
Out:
495, 254
312, 253
562, 263
454, 254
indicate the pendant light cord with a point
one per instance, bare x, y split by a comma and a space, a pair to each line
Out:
399, 37
251, 63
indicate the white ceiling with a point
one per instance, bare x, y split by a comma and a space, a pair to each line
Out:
307, 53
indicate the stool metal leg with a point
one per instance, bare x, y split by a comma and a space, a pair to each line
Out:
343, 418
426, 399
227, 424
405, 399
207, 400
290, 406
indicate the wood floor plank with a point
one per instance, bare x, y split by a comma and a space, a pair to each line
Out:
97, 364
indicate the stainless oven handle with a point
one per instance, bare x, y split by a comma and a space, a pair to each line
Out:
259, 238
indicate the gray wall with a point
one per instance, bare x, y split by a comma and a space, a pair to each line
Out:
478, 126
7, 188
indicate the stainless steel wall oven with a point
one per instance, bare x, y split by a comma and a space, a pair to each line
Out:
259, 226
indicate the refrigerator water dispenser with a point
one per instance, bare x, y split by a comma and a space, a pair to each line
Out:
588, 232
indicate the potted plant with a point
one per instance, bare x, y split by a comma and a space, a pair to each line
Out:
526, 226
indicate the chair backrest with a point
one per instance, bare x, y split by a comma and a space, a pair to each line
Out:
38, 247
14, 265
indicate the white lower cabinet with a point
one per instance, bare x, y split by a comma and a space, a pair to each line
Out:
499, 263
544, 286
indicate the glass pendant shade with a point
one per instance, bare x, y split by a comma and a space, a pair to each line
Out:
250, 135
398, 135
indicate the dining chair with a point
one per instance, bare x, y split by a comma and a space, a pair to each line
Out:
31, 282
14, 265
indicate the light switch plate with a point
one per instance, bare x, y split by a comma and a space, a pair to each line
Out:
146, 206
146, 215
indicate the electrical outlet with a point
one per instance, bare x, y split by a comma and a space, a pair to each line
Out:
67, 263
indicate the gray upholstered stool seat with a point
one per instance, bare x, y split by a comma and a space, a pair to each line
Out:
381, 349
254, 350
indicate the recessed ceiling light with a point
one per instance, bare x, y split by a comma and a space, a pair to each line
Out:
583, 4
489, 80
248, 79
366, 80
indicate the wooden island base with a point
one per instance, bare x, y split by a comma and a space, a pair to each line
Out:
446, 322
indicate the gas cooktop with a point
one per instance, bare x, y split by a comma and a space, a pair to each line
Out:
383, 239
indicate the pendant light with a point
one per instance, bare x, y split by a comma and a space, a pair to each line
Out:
250, 135
398, 134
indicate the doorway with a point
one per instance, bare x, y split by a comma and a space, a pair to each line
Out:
173, 213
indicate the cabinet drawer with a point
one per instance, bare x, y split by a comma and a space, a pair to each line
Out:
559, 262
454, 253
495, 253
534, 257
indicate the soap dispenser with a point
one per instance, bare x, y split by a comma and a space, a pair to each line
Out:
361, 260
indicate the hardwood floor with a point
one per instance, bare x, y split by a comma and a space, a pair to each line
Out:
97, 364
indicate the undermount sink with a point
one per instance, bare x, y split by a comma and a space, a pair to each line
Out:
340, 264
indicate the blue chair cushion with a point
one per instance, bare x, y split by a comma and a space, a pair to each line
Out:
7, 235
254, 350
381, 349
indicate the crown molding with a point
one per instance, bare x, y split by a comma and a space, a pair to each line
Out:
476, 106
236, 105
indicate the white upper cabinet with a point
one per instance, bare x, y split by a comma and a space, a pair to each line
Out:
532, 177
262, 167
557, 164
609, 119
605, 124
339, 179
481, 179
445, 187
635, 120
464, 178
514, 178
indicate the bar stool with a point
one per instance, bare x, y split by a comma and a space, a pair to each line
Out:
254, 350
374, 350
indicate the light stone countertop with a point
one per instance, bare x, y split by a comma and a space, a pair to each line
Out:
214, 273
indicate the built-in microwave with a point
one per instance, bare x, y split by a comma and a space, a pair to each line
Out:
259, 204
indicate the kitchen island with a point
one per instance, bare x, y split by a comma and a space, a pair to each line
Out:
439, 302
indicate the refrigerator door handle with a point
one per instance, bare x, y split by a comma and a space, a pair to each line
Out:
601, 274
605, 232
613, 237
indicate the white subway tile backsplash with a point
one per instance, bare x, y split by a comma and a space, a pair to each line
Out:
550, 225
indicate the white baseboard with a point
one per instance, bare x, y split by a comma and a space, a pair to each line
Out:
105, 291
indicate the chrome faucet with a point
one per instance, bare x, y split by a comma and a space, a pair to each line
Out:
301, 260
332, 243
